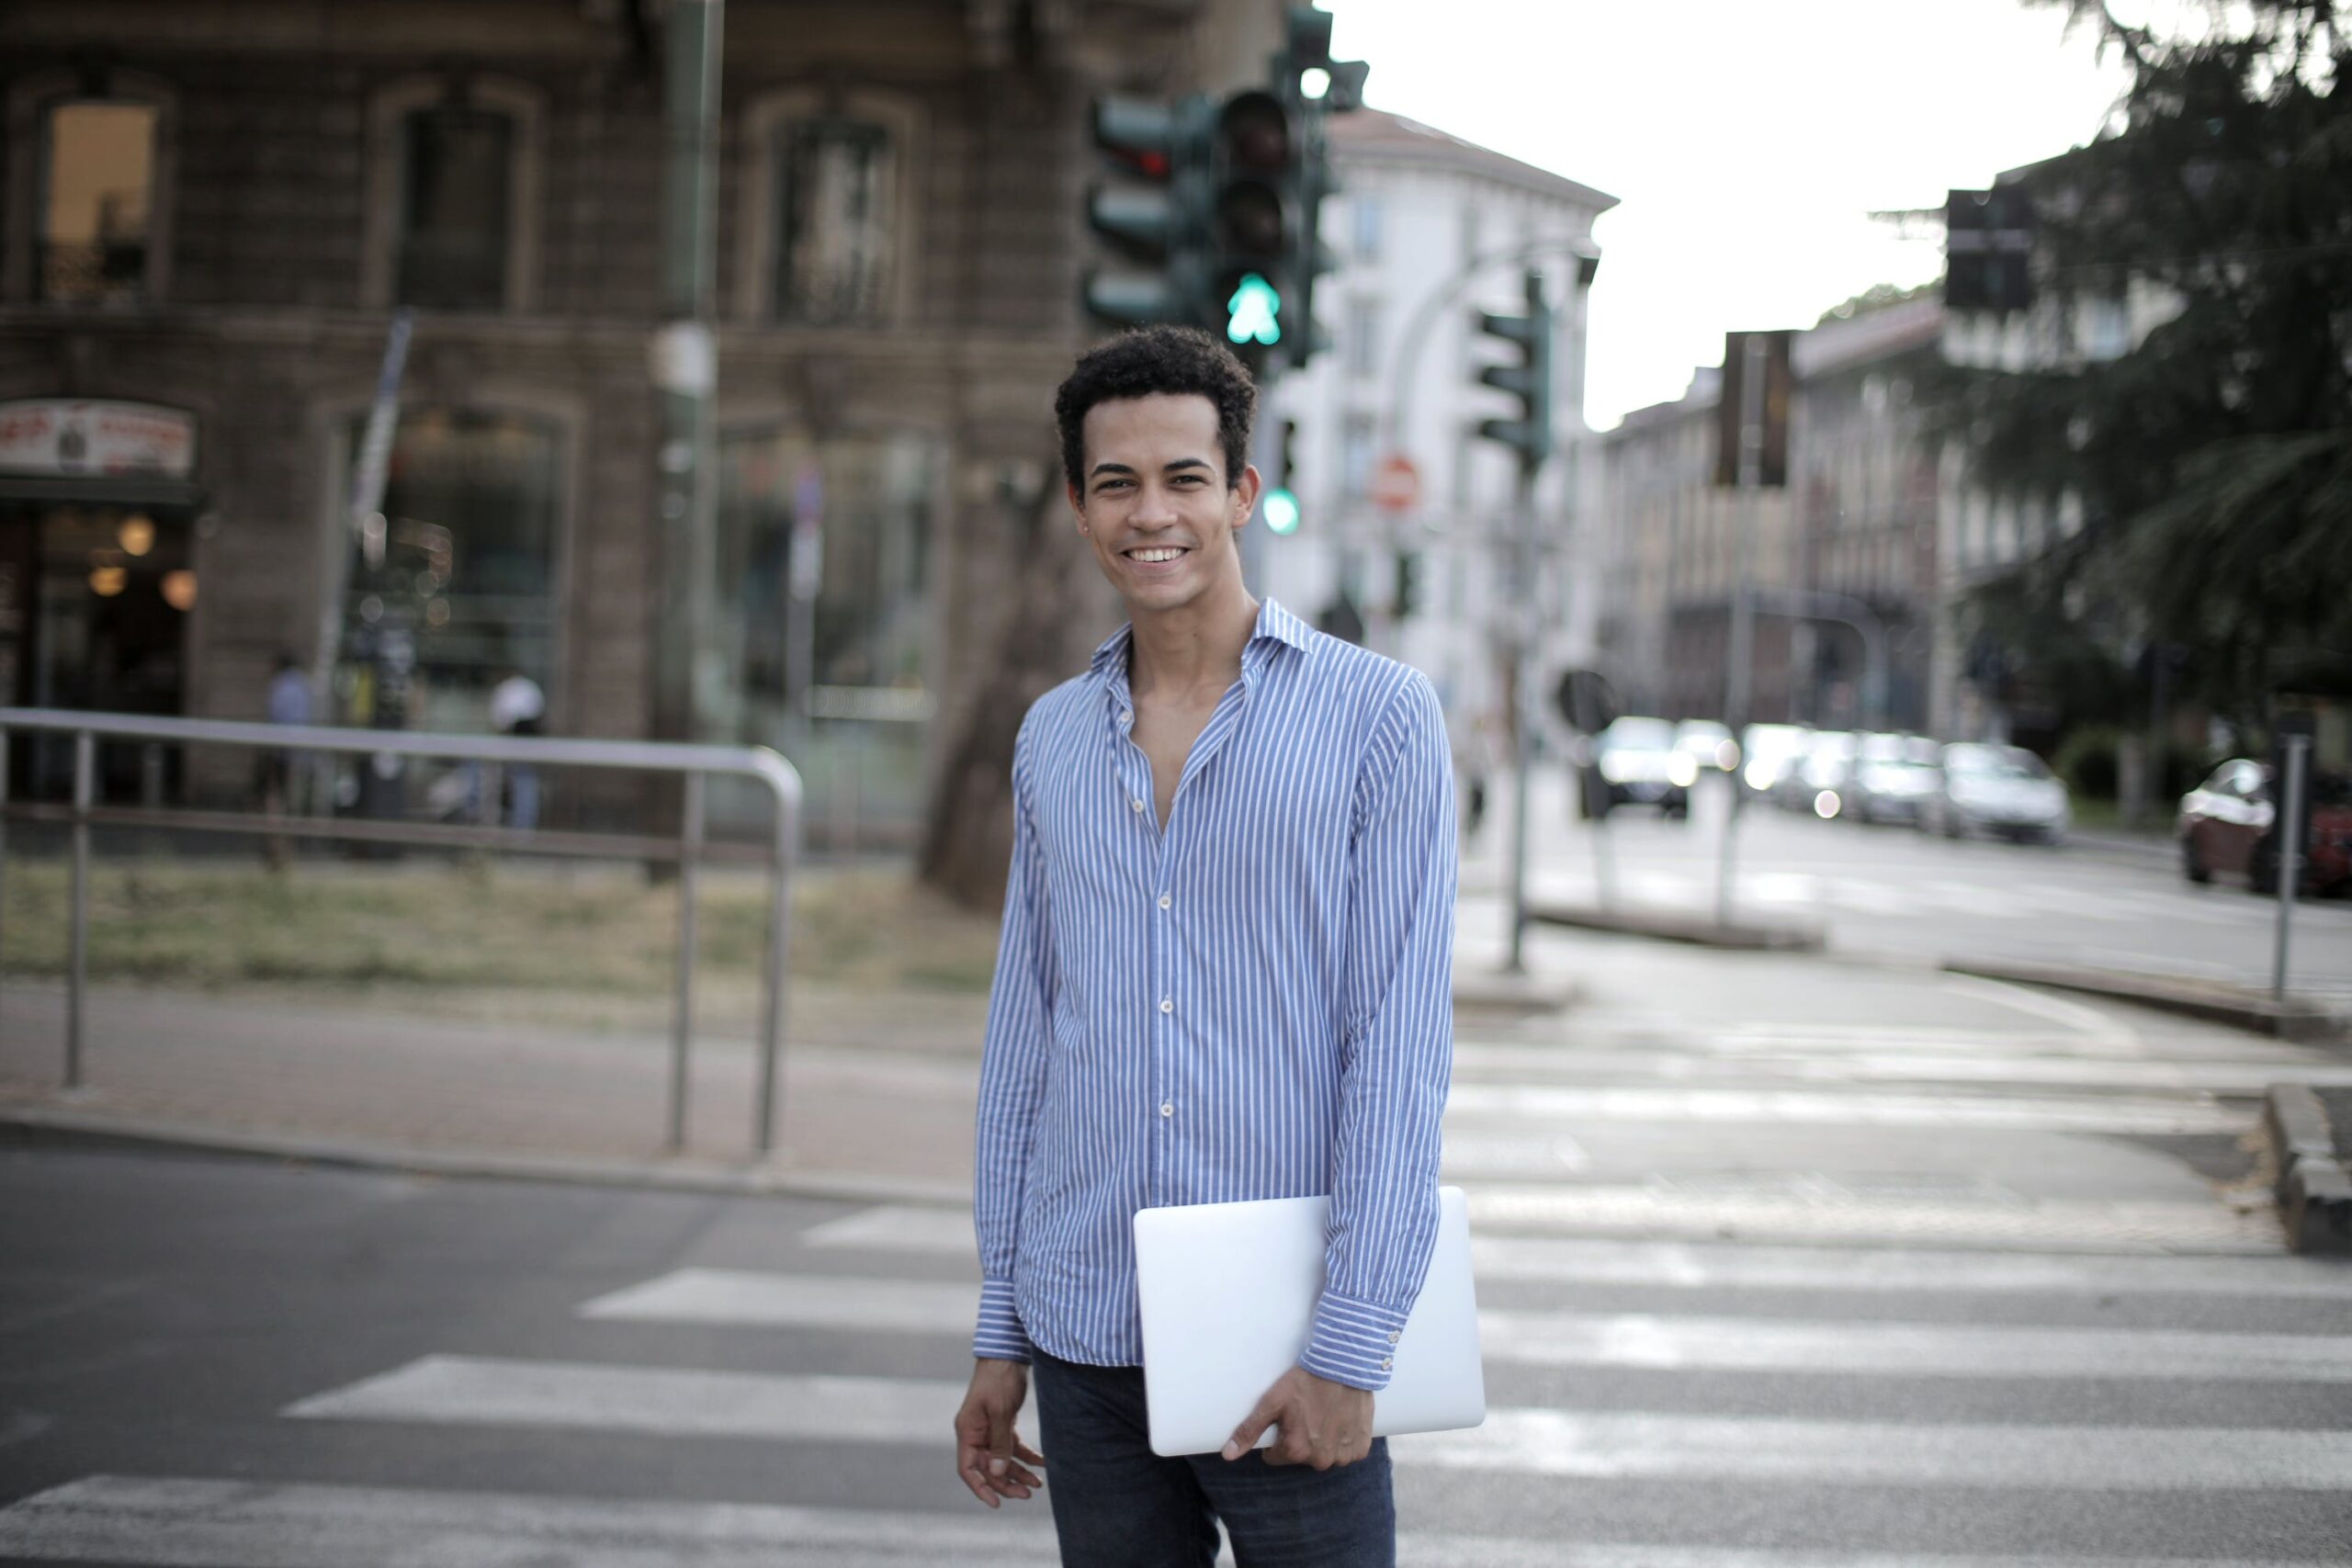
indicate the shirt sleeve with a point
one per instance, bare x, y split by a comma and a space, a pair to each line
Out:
1012, 1076
1396, 1046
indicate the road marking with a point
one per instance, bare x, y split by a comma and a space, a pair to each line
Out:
2104, 1028
2120, 1264
1836, 1348
468, 1391
2238, 1078
1549, 1104
204, 1523
2103, 1459
2072, 1225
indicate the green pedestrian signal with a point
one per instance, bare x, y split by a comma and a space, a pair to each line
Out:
1281, 509
1254, 312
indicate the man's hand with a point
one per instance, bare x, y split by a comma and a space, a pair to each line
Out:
989, 1456
1321, 1423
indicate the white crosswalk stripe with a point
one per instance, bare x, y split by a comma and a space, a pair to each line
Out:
745, 1297
209, 1524
489, 1391
910, 1228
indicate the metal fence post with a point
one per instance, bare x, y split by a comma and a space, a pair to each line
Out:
2290, 853
683, 1023
787, 836
4, 833
77, 963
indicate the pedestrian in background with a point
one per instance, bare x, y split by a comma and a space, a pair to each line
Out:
1225, 975
283, 771
517, 706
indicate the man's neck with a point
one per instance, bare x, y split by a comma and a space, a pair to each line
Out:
1194, 648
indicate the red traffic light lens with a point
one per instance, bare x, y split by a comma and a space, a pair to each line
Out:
1255, 132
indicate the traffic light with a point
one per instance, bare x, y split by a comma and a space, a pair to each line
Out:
1408, 584
1279, 504
1157, 215
1528, 380
1312, 87
1988, 240
1250, 220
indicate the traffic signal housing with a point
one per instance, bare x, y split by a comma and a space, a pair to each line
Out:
1527, 377
1251, 219
1988, 244
1155, 212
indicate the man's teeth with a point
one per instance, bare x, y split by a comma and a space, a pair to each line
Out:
1155, 554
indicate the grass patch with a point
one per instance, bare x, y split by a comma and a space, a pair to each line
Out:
479, 927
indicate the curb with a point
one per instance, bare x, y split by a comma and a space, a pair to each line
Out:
2313, 1188
1666, 925
2296, 1021
21, 1124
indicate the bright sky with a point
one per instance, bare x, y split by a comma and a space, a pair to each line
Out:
1746, 139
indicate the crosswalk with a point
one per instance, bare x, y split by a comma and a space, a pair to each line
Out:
1767, 1368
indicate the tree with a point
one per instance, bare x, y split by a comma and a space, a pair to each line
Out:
2213, 459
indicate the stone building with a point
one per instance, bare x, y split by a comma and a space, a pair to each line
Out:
213, 207
1857, 529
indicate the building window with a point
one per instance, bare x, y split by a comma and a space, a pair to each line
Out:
1363, 337
836, 202
96, 200
458, 582
1355, 459
456, 183
1365, 242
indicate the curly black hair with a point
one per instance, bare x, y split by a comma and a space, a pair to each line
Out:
1137, 364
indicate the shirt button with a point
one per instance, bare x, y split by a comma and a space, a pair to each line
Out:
1167, 1108
1168, 1004
1395, 1335
1386, 1365
1165, 900
1125, 717
1136, 804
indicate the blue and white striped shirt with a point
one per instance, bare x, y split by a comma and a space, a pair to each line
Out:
1255, 1002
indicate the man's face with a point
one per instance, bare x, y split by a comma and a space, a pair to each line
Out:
1154, 502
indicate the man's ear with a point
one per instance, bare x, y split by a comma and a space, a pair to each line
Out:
1245, 494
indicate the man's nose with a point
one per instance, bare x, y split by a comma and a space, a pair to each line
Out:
1154, 508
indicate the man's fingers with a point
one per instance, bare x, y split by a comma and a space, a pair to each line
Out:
975, 1478
1026, 1454
1245, 1437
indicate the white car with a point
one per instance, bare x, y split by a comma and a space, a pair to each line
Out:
1894, 777
1999, 789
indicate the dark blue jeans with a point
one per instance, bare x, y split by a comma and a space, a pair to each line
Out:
1118, 1504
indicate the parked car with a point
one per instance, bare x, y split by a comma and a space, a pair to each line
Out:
2227, 824
1641, 766
1999, 789
1893, 777
1767, 751
1817, 784
1707, 743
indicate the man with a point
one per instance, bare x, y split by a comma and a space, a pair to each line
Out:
1224, 974
517, 706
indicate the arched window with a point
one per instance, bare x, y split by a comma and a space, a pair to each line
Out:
452, 207
829, 211
88, 212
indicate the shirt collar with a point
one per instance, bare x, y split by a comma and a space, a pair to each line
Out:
1275, 624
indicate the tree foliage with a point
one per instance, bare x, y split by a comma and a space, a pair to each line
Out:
2214, 460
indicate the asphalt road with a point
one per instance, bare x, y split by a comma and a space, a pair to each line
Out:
1781, 1263
1890, 890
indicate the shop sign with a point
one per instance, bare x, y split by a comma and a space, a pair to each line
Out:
56, 437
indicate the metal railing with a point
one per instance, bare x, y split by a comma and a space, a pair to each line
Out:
695, 763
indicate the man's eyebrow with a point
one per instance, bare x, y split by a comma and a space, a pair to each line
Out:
1186, 463
1109, 468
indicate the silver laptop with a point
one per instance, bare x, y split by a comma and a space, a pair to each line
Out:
1228, 1293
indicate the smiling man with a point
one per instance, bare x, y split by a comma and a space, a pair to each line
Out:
1225, 975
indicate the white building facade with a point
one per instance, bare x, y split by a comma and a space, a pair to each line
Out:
1428, 230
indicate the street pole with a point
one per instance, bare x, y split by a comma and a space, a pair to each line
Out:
2291, 858
1522, 710
685, 362
1741, 631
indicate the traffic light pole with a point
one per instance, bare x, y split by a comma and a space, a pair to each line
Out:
1523, 709
1742, 630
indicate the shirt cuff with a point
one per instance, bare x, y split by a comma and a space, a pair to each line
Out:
1000, 1336
1354, 1342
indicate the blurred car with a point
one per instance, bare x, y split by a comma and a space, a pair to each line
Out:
1768, 751
1999, 789
1640, 766
1817, 784
1707, 743
2227, 823
1893, 777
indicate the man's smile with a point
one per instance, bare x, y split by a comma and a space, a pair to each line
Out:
1150, 554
